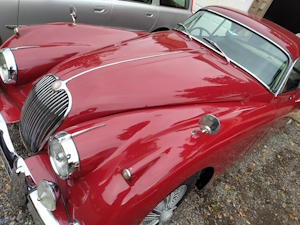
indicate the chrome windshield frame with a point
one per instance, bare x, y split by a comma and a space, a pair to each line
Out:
279, 91
290, 60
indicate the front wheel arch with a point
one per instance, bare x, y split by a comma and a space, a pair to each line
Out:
200, 179
204, 177
164, 213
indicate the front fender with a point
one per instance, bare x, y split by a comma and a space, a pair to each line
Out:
156, 145
39, 48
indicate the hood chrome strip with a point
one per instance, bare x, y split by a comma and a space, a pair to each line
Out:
23, 47
86, 130
125, 61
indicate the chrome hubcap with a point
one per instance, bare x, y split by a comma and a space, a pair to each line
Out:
164, 210
166, 215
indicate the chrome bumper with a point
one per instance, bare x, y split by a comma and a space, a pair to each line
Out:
11, 159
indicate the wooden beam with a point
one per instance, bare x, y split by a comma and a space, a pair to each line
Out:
260, 7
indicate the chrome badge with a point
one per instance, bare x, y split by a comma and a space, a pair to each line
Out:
56, 85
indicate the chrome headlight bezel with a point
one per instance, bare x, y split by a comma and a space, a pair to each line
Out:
48, 194
69, 155
8, 66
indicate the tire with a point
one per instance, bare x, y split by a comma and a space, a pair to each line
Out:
164, 210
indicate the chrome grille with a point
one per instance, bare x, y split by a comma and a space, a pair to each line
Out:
42, 112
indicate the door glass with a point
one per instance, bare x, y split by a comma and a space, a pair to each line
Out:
252, 52
181, 4
141, 1
294, 78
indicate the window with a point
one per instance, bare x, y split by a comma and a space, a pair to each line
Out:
142, 1
181, 4
294, 78
265, 61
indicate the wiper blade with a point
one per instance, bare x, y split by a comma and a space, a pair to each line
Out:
186, 30
217, 47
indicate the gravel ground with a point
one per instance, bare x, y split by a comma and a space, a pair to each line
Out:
263, 188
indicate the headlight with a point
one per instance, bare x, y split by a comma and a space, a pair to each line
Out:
63, 156
8, 66
48, 194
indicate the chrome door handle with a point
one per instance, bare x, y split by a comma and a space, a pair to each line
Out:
99, 10
298, 100
149, 15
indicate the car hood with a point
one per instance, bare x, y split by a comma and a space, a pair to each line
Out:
163, 69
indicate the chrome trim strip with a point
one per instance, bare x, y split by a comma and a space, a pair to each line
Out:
254, 76
23, 47
279, 91
65, 88
12, 26
21, 167
6, 136
45, 215
71, 152
268, 39
11, 67
86, 130
234, 62
254, 31
125, 61
19, 164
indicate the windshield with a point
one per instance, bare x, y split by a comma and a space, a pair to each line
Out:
241, 45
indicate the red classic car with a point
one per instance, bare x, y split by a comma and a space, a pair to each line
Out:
121, 124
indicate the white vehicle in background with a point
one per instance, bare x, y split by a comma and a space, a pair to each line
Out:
138, 15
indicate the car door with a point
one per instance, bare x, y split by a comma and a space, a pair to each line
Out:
139, 15
47, 11
289, 98
8, 18
172, 12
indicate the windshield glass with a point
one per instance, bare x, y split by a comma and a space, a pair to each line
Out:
244, 47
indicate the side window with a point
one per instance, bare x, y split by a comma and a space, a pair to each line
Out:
294, 78
141, 1
181, 4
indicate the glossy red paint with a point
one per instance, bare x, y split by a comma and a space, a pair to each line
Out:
156, 145
112, 81
35, 55
65, 54
9, 111
148, 93
40, 168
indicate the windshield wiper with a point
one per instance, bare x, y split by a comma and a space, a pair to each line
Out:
186, 30
217, 47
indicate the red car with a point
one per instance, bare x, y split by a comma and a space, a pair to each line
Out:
121, 124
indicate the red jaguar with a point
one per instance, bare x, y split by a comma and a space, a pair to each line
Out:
121, 124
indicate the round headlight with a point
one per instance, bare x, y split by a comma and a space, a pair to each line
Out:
63, 156
8, 66
48, 194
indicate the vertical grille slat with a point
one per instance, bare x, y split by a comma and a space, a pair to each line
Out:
42, 113
43, 120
